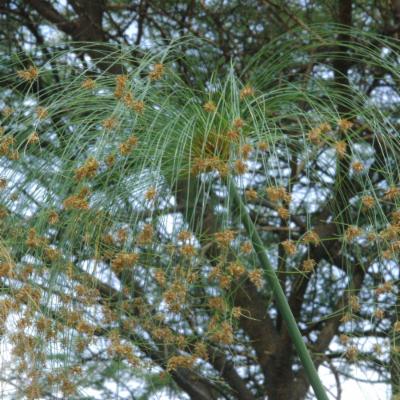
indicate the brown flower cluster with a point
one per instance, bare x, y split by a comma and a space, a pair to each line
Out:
245, 150
251, 194
311, 237
386, 287
344, 125
221, 333
122, 350
33, 240
236, 269
233, 135
29, 74
309, 265
247, 91
390, 234
51, 254
137, 106
354, 303
124, 260
217, 304
341, 148
42, 112
109, 123
209, 164
200, 350
392, 193
122, 235
132, 103
3, 212
225, 238
175, 296
87, 295
283, 212
368, 202
209, 106
278, 193
53, 217
352, 232
224, 280
150, 193
238, 123
263, 146
176, 362
357, 166
352, 353
240, 167
289, 246
120, 85
110, 160
256, 278
184, 235
25, 272
6, 269
7, 112
88, 84
87, 170
315, 134
146, 235
6, 148
188, 250
33, 138
160, 277
126, 147
77, 202
246, 247
157, 72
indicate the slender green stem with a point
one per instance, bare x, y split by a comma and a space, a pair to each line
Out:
279, 295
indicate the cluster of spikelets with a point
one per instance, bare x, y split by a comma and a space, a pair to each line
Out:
337, 138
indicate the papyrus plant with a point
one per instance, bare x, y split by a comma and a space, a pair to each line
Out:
145, 215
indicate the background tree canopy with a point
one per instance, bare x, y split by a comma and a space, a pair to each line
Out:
159, 158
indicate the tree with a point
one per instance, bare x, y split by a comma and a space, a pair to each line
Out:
126, 255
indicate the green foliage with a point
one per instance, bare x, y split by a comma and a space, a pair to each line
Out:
122, 252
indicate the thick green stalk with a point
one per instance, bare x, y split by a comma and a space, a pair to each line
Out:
279, 295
